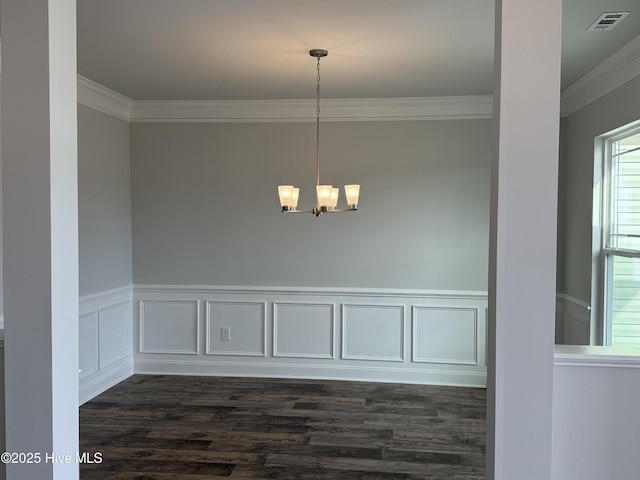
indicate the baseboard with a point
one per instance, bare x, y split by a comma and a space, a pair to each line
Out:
104, 379
318, 372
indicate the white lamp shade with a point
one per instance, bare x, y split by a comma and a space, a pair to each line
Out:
294, 197
324, 195
352, 193
286, 193
335, 192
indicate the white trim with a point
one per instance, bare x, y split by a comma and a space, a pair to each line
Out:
618, 69
104, 379
127, 352
332, 327
375, 358
241, 353
594, 356
106, 297
141, 337
93, 95
102, 99
104, 376
348, 109
305, 371
414, 340
91, 316
339, 367
311, 291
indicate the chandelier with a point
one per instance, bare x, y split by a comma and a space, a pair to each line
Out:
326, 195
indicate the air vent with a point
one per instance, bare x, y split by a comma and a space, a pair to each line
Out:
608, 20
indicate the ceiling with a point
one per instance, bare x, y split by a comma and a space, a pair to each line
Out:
258, 49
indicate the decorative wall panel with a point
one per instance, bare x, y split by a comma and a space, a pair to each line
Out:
373, 332
169, 326
246, 324
303, 330
114, 326
445, 335
88, 344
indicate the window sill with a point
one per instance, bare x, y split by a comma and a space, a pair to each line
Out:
594, 356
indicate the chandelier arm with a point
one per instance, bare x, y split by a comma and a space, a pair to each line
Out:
317, 211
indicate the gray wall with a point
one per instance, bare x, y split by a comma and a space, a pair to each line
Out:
104, 201
616, 109
206, 212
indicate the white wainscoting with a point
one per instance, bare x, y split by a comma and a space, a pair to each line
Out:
169, 326
246, 321
373, 332
105, 341
573, 321
445, 335
303, 330
436, 337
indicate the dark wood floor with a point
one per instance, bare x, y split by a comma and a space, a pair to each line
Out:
195, 428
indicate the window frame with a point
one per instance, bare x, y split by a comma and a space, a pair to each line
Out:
602, 252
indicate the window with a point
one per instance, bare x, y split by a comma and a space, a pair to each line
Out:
621, 240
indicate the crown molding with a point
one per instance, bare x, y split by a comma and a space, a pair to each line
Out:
618, 69
98, 97
94, 95
350, 109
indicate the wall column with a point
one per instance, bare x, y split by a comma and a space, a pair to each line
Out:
522, 259
39, 153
